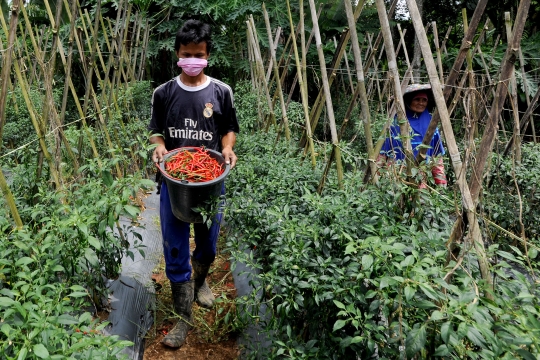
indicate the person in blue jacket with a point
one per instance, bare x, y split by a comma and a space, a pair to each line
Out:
418, 100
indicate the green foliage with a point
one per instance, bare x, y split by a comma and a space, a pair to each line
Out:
245, 102
358, 272
502, 200
57, 265
53, 271
18, 129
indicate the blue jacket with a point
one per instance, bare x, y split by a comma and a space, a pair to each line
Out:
419, 123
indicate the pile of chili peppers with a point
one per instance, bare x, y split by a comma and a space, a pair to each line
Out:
193, 166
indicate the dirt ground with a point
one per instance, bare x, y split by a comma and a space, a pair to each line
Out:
214, 333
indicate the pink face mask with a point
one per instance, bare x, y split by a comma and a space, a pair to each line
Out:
192, 66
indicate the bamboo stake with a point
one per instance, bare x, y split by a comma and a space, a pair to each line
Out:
250, 57
40, 40
360, 85
527, 97
143, 56
512, 92
349, 77
443, 45
6, 69
452, 146
260, 72
438, 50
67, 67
39, 126
94, 36
273, 45
276, 74
524, 120
303, 46
302, 91
394, 76
496, 44
73, 35
105, 37
328, 99
409, 72
137, 47
49, 108
318, 105
471, 91
295, 80
453, 75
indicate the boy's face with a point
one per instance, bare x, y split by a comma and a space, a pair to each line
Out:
193, 50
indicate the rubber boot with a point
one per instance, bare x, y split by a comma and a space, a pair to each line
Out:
182, 295
203, 294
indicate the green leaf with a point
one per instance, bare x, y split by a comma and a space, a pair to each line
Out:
91, 256
83, 228
446, 330
5, 301
525, 354
385, 282
65, 319
416, 339
442, 351
132, 210
436, 315
24, 261
507, 255
351, 248
428, 290
474, 335
6, 329
356, 339
367, 261
94, 242
22, 353
107, 178
339, 304
339, 324
409, 292
78, 294
41, 351
425, 304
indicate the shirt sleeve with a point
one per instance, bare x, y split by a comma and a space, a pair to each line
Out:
157, 120
230, 121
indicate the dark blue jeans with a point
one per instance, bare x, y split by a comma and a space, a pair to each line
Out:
175, 235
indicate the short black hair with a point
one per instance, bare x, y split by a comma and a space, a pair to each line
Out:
194, 31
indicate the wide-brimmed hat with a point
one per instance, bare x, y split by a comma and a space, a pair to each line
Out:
413, 89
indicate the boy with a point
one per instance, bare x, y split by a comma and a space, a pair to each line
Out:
192, 109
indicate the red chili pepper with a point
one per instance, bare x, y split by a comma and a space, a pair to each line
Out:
193, 166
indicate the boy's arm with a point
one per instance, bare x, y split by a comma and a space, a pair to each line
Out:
227, 143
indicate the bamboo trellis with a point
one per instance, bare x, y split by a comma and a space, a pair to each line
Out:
479, 89
114, 57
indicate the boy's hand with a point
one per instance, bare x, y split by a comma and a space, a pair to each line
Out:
159, 151
229, 155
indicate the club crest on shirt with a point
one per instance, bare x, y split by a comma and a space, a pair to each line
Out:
207, 112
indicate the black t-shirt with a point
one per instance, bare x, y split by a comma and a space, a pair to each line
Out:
193, 116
